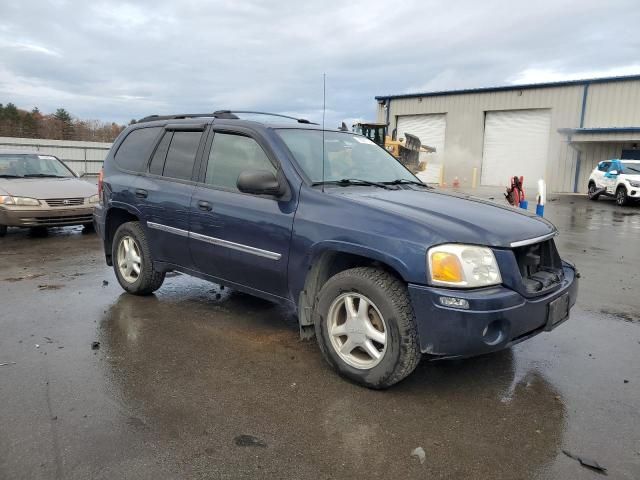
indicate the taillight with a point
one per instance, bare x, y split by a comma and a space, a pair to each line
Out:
100, 178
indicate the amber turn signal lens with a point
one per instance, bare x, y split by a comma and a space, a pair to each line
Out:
446, 267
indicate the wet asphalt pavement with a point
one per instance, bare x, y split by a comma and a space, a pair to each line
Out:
200, 382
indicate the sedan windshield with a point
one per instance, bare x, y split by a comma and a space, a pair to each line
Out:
631, 168
348, 158
32, 166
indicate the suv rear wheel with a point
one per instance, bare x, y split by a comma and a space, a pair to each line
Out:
591, 193
132, 260
621, 196
365, 327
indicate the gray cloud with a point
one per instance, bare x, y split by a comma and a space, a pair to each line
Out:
115, 60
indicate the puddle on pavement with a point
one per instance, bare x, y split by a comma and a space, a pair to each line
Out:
188, 362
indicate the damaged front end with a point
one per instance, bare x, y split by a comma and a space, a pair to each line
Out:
540, 267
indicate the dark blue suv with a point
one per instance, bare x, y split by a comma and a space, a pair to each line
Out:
379, 266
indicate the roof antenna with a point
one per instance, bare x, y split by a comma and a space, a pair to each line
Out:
324, 109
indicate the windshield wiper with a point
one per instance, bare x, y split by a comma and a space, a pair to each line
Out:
6, 175
42, 175
404, 181
346, 182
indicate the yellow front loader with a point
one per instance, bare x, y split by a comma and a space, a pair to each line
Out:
405, 150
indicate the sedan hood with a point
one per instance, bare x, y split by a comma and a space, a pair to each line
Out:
43, 188
456, 218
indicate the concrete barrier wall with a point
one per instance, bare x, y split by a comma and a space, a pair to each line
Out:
79, 156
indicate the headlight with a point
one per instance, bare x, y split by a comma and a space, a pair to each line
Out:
634, 184
19, 201
94, 198
466, 266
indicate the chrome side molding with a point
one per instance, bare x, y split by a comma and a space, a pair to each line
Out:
216, 241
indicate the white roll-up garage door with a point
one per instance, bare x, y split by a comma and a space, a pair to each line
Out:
430, 129
516, 142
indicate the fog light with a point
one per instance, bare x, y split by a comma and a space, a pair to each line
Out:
494, 333
454, 302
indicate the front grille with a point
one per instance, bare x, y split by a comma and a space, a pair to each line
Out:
64, 202
53, 221
540, 266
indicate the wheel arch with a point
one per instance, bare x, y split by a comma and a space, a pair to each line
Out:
622, 187
116, 216
331, 258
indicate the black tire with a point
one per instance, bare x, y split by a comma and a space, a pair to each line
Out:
591, 192
390, 296
622, 198
3, 230
149, 280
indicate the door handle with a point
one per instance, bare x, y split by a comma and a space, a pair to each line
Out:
140, 193
203, 205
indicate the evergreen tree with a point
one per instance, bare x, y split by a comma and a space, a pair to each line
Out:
61, 125
66, 123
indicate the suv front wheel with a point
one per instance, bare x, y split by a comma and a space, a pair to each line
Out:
621, 196
132, 260
365, 327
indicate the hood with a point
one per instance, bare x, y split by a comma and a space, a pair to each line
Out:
455, 218
43, 188
634, 178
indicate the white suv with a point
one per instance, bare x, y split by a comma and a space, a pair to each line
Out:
616, 178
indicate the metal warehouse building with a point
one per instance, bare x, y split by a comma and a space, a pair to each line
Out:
557, 131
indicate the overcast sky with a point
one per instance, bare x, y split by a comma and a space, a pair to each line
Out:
115, 60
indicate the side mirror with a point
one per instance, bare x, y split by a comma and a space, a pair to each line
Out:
613, 173
259, 182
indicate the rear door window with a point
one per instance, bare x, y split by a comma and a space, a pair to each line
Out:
134, 151
604, 166
181, 155
231, 155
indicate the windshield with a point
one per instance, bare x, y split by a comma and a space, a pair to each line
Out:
347, 156
25, 166
631, 168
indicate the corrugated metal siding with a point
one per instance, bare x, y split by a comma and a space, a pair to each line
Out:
79, 156
614, 104
465, 127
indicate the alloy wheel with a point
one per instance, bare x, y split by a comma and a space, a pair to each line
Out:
129, 259
357, 330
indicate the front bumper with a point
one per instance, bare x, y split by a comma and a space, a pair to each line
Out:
633, 192
497, 317
46, 216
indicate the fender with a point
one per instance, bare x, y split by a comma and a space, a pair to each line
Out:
124, 206
307, 286
321, 247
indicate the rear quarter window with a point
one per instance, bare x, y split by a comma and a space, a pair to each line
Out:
134, 151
